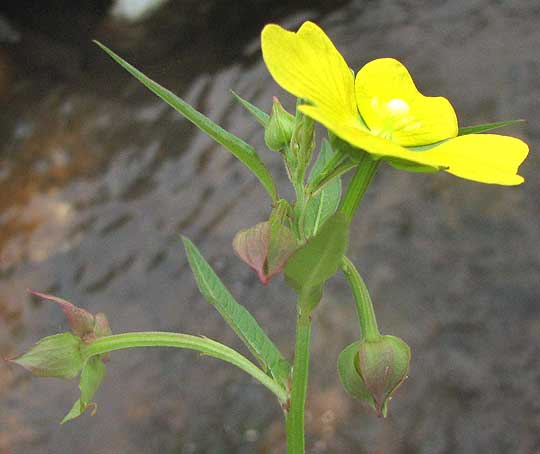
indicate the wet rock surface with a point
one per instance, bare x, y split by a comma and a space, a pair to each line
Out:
98, 179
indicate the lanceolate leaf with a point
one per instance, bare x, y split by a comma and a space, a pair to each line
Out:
244, 152
323, 179
486, 127
238, 318
262, 117
326, 202
318, 260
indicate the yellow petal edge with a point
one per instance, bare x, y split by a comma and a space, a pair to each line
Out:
308, 65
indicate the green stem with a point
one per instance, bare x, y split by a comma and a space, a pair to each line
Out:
359, 183
295, 417
202, 344
364, 305
301, 205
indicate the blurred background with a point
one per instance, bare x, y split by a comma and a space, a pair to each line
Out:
98, 179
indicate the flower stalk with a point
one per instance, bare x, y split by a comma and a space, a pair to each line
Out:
206, 346
364, 305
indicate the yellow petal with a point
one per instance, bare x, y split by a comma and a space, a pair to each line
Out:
393, 108
487, 158
351, 129
308, 65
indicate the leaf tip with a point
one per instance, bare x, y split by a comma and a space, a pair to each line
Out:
6, 359
35, 293
186, 241
99, 44
263, 278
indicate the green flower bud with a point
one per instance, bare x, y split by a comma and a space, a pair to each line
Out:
372, 371
279, 131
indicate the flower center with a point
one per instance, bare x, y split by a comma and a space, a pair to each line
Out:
397, 107
390, 116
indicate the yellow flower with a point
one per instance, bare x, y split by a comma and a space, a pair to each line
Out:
382, 112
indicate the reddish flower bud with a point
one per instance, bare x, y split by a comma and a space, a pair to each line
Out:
266, 247
82, 323
62, 355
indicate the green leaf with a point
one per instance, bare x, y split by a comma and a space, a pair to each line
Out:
262, 117
76, 411
326, 155
91, 377
486, 127
318, 260
326, 202
323, 179
53, 356
244, 152
237, 316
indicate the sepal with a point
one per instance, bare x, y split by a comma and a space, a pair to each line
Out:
53, 356
91, 377
262, 117
477, 129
